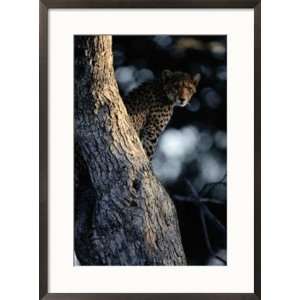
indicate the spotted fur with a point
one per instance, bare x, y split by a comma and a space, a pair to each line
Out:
151, 105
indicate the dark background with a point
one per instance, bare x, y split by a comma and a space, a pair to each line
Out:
190, 160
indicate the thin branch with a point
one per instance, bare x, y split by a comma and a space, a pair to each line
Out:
192, 188
214, 219
211, 186
204, 211
205, 231
183, 198
193, 200
221, 259
212, 200
206, 235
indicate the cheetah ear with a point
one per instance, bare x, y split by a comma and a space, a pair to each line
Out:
197, 78
166, 74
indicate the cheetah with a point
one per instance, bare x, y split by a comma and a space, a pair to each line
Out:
150, 106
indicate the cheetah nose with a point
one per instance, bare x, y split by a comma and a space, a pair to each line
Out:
182, 102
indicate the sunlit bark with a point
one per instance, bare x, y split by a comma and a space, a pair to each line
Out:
123, 215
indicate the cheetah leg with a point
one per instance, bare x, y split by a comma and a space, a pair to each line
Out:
149, 147
149, 139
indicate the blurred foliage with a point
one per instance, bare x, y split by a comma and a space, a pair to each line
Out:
193, 148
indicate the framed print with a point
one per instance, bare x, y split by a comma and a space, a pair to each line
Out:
149, 149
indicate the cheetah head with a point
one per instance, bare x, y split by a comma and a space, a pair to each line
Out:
179, 87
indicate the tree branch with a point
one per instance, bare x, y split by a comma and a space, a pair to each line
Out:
200, 201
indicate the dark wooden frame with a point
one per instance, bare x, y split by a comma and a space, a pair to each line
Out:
43, 147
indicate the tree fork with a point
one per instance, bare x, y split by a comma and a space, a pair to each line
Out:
123, 215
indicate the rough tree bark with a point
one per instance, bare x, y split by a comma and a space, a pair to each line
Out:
123, 216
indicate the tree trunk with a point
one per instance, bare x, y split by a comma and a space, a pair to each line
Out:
123, 216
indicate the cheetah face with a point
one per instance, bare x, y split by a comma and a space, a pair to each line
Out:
179, 87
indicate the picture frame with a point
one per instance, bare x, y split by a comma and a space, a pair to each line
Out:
45, 5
